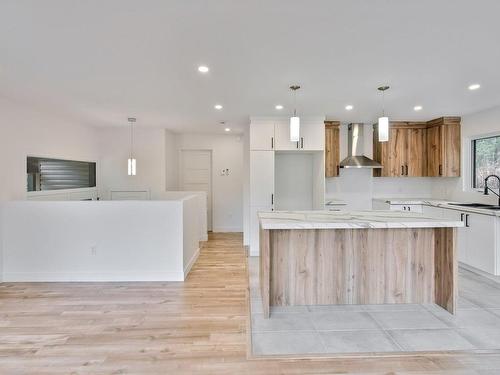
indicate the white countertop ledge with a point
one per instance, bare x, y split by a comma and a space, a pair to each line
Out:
350, 220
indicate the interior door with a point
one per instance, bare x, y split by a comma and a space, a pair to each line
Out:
195, 174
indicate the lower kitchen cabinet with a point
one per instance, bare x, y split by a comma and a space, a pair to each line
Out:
481, 242
478, 243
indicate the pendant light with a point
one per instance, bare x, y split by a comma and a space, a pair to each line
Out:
294, 120
383, 122
132, 164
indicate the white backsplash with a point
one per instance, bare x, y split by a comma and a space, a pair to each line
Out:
357, 187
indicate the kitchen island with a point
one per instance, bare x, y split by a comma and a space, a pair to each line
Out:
362, 257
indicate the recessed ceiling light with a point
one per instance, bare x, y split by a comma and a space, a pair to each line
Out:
227, 129
218, 106
417, 108
349, 107
279, 106
203, 69
474, 86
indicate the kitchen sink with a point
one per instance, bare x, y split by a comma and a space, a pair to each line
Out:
473, 205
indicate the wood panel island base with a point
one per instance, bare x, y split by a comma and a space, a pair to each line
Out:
364, 257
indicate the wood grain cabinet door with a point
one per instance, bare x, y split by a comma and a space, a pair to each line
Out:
398, 150
332, 149
450, 145
434, 152
443, 144
417, 153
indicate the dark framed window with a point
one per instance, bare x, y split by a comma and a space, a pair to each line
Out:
55, 174
485, 160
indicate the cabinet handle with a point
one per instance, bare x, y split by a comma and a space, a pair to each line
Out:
297, 144
301, 142
406, 169
404, 208
462, 217
467, 220
272, 199
440, 169
409, 208
402, 170
272, 143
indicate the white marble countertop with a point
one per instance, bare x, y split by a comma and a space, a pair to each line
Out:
439, 203
350, 220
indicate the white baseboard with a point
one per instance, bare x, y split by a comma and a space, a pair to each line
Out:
91, 276
192, 261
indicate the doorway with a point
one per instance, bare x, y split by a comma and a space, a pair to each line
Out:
195, 174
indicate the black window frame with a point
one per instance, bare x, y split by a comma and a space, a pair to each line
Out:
473, 167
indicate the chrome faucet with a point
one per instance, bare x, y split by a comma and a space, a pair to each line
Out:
488, 189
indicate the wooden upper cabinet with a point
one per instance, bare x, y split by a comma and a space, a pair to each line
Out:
332, 148
398, 149
434, 163
419, 149
443, 139
404, 155
417, 152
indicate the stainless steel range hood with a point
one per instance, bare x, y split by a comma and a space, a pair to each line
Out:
355, 158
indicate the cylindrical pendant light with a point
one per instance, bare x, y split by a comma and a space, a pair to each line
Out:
294, 120
383, 122
132, 164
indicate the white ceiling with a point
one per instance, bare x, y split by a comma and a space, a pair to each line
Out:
101, 61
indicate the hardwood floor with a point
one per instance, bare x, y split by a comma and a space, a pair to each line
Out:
196, 327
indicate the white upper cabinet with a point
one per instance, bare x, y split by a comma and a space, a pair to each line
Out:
262, 136
262, 178
269, 134
282, 134
312, 136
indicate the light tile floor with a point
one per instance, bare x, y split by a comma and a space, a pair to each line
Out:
379, 328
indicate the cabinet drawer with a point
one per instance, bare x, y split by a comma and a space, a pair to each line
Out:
407, 207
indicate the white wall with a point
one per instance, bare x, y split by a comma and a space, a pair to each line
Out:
227, 152
149, 150
293, 181
157, 154
99, 241
481, 124
25, 131
171, 159
246, 186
